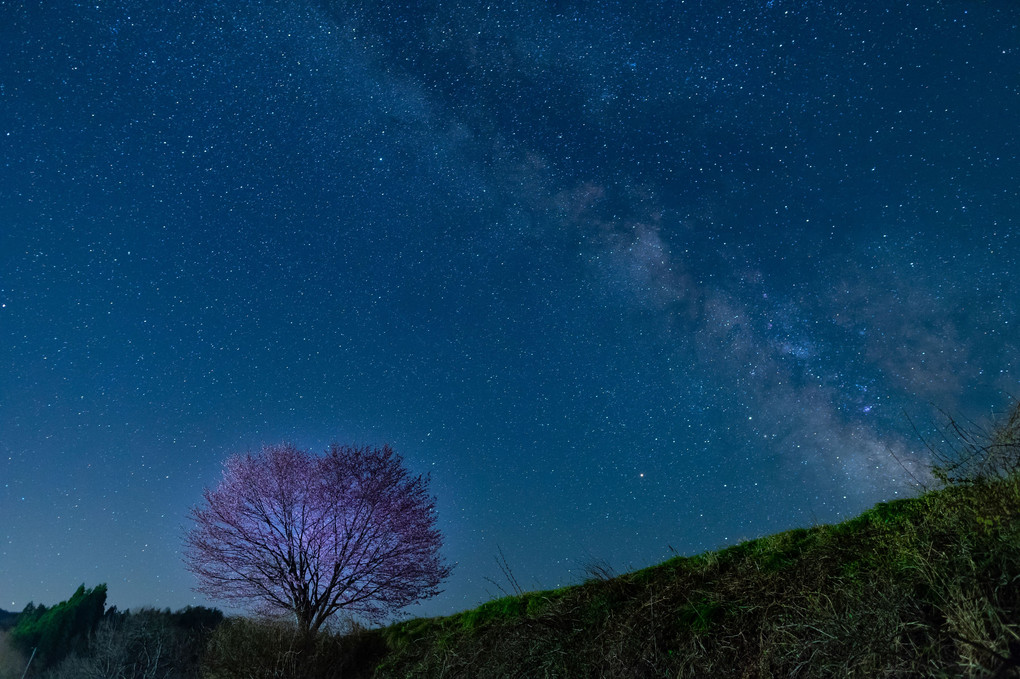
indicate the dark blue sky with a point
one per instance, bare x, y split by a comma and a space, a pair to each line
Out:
621, 279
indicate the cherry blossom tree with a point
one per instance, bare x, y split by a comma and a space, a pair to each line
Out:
351, 530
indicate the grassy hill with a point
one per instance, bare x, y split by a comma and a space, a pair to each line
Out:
928, 586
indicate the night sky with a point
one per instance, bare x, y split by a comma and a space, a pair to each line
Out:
624, 280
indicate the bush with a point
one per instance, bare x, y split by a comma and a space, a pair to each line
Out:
242, 648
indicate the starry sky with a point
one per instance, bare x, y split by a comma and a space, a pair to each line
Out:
624, 278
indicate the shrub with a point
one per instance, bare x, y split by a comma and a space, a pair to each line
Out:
243, 648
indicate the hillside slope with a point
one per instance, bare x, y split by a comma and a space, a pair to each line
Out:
916, 587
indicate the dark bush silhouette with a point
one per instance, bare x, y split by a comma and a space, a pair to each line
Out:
8, 619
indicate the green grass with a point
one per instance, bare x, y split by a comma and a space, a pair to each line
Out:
927, 586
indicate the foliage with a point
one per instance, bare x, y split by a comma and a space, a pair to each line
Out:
58, 630
349, 531
199, 619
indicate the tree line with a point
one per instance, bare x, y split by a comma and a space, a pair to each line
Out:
80, 637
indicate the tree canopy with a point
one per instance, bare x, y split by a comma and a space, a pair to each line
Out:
351, 530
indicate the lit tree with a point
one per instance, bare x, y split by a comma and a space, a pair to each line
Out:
351, 531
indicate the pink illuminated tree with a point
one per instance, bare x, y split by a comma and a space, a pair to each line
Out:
351, 531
